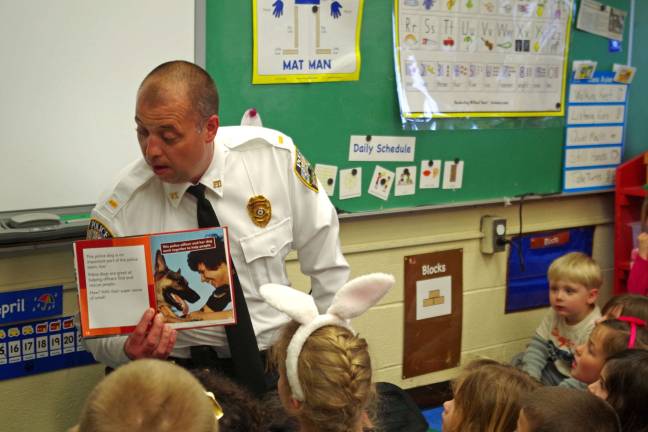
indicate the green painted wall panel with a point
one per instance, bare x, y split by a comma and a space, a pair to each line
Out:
500, 162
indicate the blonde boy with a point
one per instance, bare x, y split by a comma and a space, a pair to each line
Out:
145, 396
574, 283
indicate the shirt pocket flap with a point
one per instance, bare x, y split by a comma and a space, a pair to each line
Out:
268, 242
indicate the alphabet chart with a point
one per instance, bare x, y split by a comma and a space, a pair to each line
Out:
481, 58
594, 133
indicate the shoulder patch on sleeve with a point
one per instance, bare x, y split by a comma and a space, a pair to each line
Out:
97, 230
305, 171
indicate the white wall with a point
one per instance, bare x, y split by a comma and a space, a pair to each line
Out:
69, 73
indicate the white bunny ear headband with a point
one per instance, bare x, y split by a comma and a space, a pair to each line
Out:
354, 298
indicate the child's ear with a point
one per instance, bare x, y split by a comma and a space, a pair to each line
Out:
592, 295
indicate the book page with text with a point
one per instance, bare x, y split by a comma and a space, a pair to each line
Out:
116, 283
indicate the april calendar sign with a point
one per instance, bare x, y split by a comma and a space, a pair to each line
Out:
481, 58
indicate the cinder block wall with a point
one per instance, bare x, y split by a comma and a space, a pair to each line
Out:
380, 243
51, 402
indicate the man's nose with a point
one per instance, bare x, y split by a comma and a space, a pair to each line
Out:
152, 147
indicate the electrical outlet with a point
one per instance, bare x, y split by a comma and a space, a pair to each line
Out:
494, 229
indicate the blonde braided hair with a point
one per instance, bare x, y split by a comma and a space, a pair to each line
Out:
335, 374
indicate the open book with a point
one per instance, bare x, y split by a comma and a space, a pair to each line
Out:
185, 275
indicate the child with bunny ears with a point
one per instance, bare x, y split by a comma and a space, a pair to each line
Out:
324, 366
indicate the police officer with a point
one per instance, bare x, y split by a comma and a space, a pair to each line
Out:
260, 186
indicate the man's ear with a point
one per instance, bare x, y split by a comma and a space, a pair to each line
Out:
211, 126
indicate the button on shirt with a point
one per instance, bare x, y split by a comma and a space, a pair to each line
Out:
248, 161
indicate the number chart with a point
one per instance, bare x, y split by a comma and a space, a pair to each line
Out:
41, 346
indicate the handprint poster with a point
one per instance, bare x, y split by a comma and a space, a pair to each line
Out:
297, 41
481, 58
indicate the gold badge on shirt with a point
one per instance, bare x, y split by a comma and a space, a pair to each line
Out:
259, 210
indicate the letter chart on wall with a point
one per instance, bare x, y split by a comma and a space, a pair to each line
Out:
298, 41
481, 58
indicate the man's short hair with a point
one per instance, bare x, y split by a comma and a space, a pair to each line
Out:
211, 258
195, 81
148, 395
576, 267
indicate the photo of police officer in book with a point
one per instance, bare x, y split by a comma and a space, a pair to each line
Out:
193, 285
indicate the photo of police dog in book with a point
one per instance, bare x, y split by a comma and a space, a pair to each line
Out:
186, 276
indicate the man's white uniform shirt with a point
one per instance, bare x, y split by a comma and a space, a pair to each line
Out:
248, 161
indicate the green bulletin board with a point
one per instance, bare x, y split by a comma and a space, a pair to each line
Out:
498, 162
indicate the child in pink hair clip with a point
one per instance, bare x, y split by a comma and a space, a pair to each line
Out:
608, 338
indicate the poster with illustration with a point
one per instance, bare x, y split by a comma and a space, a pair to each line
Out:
480, 58
381, 182
298, 41
430, 174
405, 181
350, 183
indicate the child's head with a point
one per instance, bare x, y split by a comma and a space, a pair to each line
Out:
486, 398
148, 395
241, 411
626, 304
324, 366
335, 375
624, 384
607, 338
574, 282
558, 409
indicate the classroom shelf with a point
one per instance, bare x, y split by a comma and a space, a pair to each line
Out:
637, 191
628, 199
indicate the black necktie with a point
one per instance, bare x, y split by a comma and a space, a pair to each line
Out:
248, 366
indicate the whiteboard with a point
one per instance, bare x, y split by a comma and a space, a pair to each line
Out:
69, 73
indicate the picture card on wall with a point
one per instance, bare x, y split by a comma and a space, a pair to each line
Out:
584, 69
453, 174
350, 183
405, 181
623, 73
381, 182
430, 174
326, 175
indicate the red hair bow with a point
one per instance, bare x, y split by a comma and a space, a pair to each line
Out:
634, 322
